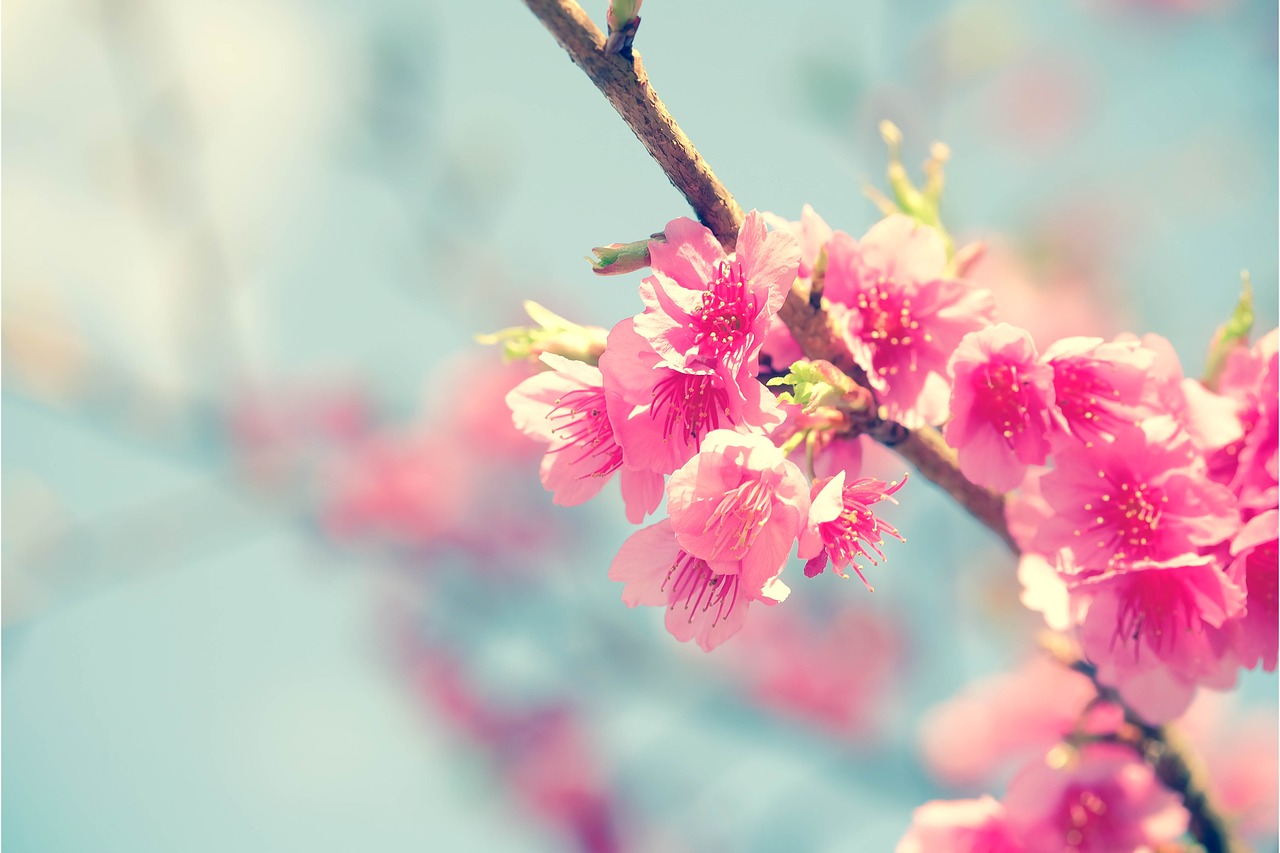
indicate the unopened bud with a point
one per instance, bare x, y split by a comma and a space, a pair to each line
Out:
620, 258
553, 334
624, 20
1231, 335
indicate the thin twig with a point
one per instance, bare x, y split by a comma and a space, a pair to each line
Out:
626, 85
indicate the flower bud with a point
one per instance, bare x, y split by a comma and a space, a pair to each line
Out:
553, 334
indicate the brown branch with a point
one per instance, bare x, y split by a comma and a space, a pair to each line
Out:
626, 85
1164, 749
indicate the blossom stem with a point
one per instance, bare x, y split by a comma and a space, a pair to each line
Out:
625, 84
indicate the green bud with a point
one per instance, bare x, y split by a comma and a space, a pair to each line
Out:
553, 334
620, 258
1230, 335
820, 384
922, 205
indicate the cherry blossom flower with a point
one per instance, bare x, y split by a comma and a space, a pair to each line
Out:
841, 526
959, 826
900, 315
1251, 379
1008, 718
660, 414
1208, 418
707, 312
739, 505
1151, 628
1254, 569
1098, 386
833, 674
702, 605
1000, 406
566, 408
1106, 802
1145, 496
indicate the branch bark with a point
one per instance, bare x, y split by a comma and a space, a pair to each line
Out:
625, 84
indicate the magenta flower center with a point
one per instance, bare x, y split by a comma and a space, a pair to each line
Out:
887, 322
728, 310
742, 513
1003, 397
582, 424
1156, 607
1083, 396
689, 403
691, 582
1083, 820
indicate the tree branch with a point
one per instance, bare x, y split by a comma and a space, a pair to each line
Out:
626, 85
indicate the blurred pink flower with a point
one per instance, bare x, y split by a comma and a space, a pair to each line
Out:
566, 408
841, 526
834, 675
1000, 406
959, 826
900, 314
1007, 718
1254, 569
1107, 802
1151, 629
1251, 379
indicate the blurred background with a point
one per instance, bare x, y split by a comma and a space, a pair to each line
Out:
277, 574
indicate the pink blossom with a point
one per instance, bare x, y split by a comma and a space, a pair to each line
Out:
1000, 406
1099, 387
1145, 496
834, 674
702, 605
739, 505
1251, 379
706, 312
1008, 718
1255, 570
1209, 419
1107, 802
841, 526
566, 408
661, 414
900, 315
959, 826
1152, 630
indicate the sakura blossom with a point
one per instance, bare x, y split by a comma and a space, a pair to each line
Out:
841, 525
1099, 387
1107, 801
901, 316
1145, 496
566, 408
1000, 405
738, 505
702, 605
1153, 629
661, 414
960, 826
705, 311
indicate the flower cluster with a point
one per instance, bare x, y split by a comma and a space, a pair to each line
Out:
1145, 505
678, 407
1153, 534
